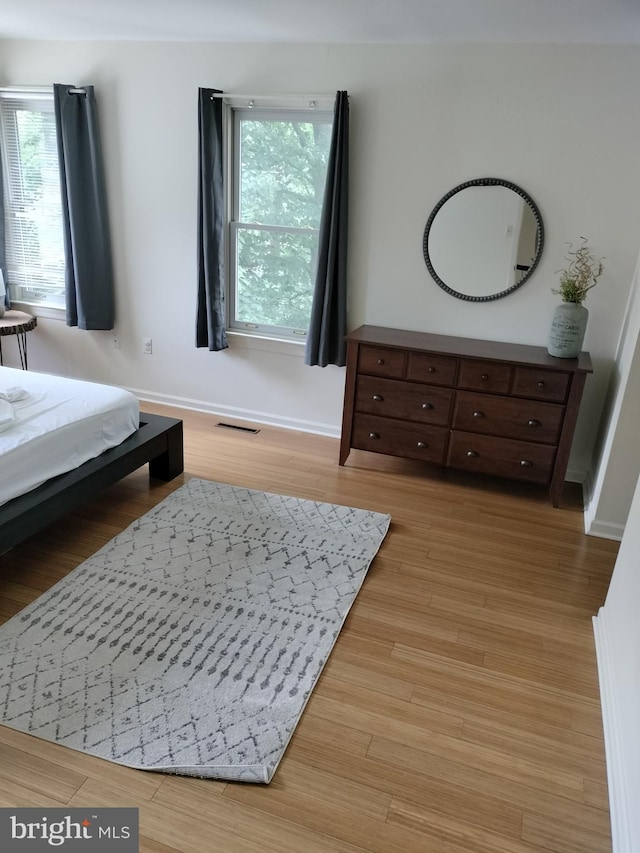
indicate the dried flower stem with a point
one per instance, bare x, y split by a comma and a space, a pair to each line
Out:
580, 275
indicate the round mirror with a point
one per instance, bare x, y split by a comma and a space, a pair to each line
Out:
483, 240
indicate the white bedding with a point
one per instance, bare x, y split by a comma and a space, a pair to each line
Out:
57, 425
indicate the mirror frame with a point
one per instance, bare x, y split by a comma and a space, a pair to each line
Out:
484, 182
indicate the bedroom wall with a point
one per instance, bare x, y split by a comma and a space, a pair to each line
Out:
554, 119
617, 635
618, 460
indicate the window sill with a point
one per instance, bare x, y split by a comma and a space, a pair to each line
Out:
49, 312
245, 340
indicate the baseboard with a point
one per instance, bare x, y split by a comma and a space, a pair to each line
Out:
618, 806
603, 529
575, 475
593, 526
587, 486
251, 415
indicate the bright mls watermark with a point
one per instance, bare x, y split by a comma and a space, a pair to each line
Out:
79, 830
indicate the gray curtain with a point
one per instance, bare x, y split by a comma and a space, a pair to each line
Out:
328, 326
210, 318
3, 257
87, 244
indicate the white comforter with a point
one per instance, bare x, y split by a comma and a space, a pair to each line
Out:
50, 425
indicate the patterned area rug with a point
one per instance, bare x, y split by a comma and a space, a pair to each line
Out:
191, 642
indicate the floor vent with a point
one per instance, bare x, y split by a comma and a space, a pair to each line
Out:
239, 428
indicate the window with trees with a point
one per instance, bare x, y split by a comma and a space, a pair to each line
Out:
278, 174
32, 202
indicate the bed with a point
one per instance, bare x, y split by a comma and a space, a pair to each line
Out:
63, 439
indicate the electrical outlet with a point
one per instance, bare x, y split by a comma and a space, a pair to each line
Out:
147, 346
115, 342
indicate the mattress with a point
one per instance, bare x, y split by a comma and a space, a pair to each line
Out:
50, 425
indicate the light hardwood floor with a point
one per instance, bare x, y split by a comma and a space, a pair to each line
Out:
459, 711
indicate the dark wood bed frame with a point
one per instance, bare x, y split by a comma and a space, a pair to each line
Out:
158, 441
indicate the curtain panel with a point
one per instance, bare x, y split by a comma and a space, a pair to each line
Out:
3, 257
89, 270
210, 317
328, 327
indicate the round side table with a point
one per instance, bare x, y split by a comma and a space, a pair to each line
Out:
17, 323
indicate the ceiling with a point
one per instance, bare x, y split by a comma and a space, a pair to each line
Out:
326, 21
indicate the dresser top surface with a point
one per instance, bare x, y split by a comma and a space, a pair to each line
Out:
469, 348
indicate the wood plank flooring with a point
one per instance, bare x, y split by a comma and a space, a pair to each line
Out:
459, 711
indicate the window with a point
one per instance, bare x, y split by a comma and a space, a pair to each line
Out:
278, 170
33, 213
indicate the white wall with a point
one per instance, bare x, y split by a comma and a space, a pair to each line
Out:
617, 631
554, 119
618, 451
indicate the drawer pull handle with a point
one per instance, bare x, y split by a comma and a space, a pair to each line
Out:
421, 444
484, 377
533, 423
377, 398
427, 405
472, 453
526, 463
373, 435
381, 361
431, 370
479, 415
541, 384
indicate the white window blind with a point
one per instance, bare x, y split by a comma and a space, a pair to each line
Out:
32, 202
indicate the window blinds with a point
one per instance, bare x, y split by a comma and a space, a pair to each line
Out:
33, 218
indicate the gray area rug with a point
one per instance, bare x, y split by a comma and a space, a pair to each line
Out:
191, 642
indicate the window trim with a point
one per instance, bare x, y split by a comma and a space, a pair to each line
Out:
16, 292
234, 109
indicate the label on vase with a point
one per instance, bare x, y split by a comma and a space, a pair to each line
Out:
567, 331
564, 331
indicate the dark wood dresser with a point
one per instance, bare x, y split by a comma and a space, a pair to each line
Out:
508, 410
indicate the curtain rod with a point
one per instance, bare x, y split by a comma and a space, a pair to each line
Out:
311, 99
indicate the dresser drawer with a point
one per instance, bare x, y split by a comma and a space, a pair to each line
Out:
485, 376
434, 369
393, 398
381, 361
502, 457
384, 435
528, 420
541, 384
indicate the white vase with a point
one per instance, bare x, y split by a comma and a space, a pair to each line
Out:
568, 327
